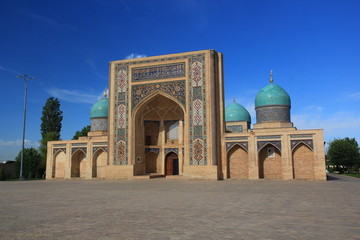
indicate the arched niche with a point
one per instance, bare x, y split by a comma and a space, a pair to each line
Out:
303, 162
237, 163
270, 163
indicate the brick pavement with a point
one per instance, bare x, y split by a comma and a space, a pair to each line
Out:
176, 209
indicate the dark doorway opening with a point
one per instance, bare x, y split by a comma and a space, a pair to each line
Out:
171, 164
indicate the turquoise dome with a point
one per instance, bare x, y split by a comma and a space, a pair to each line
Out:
272, 94
236, 113
100, 109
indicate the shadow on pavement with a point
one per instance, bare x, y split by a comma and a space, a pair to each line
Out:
331, 177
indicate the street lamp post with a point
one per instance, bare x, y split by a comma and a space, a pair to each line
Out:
25, 78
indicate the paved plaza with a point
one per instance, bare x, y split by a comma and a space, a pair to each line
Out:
181, 209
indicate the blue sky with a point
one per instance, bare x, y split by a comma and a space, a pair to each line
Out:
311, 46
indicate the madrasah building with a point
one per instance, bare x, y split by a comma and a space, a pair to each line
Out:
165, 117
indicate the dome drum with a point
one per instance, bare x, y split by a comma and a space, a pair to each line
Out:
273, 113
99, 124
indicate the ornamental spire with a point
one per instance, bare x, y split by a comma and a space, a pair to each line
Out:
271, 78
234, 99
105, 93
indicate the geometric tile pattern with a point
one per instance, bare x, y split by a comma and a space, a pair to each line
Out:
155, 150
175, 150
307, 142
158, 72
121, 115
197, 106
235, 128
175, 89
243, 145
261, 144
99, 148
55, 150
83, 149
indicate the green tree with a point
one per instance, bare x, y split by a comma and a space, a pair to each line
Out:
344, 153
31, 163
2, 174
50, 128
51, 117
81, 133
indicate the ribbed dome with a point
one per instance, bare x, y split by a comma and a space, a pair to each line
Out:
236, 113
100, 109
272, 94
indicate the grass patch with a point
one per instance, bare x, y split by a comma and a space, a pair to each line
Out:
357, 175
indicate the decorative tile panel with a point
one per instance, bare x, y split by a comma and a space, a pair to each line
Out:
121, 157
269, 137
98, 148
59, 145
83, 149
121, 115
99, 143
197, 106
307, 142
236, 138
175, 89
235, 128
56, 150
243, 145
301, 135
155, 150
261, 144
174, 70
78, 144
175, 150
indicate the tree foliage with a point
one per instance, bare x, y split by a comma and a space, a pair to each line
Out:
31, 163
51, 117
50, 128
81, 133
344, 153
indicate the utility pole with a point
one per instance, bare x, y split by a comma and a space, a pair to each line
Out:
25, 78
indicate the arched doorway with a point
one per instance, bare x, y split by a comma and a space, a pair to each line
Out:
58, 170
157, 124
270, 162
303, 162
237, 163
99, 163
171, 164
78, 164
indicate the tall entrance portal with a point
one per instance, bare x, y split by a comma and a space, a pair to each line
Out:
158, 128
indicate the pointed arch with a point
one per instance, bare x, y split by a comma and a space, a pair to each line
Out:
99, 163
237, 162
262, 144
58, 168
270, 162
237, 144
303, 162
151, 96
78, 163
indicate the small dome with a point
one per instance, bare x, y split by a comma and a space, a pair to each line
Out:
272, 94
236, 113
100, 109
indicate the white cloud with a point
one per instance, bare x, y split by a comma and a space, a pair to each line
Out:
51, 22
92, 64
135, 55
18, 142
340, 124
2, 68
354, 96
74, 95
